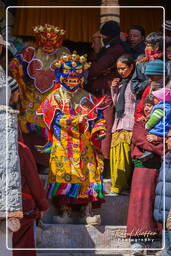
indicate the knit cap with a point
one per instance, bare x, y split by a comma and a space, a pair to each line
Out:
154, 68
110, 28
12, 83
163, 94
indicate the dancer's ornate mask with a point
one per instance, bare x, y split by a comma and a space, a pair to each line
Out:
49, 37
70, 71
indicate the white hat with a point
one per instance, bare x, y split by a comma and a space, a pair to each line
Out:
2, 42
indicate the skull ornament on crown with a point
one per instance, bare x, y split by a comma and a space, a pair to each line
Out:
49, 37
70, 71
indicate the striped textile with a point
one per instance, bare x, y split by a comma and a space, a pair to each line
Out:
154, 119
12, 83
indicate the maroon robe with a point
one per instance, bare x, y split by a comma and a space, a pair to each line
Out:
33, 200
140, 213
31, 139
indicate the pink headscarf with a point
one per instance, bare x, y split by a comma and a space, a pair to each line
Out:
163, 94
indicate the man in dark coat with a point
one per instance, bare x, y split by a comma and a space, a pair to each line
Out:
135, 44
161, 213
103, 71
136, 38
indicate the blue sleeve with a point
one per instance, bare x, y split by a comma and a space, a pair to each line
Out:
99, 116
56, 124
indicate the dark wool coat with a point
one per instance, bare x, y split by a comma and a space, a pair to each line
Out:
100, 77
139, 79
103, 70
135, 51
158, 206
138, 50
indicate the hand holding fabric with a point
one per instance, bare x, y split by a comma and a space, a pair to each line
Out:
115, 82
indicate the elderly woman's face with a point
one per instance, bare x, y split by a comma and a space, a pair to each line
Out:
147, 109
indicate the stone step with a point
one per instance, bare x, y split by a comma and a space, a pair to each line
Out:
113, 212
82, 236
75, 253
94, 253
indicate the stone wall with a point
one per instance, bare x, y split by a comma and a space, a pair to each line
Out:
9, 161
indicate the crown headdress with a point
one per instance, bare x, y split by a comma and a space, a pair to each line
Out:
74, 57
48, 28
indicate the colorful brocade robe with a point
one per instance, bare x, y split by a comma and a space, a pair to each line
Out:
33, 70
75, 160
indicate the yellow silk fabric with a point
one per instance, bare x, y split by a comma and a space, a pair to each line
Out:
61, 164
120, 161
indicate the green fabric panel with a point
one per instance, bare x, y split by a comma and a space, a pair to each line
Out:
56, 187
154, 118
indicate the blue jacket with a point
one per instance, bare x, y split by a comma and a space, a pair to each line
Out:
158, 128
158, 204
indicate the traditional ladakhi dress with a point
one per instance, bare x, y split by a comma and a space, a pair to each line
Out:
32, 69
120, 152
76, 163
140, 220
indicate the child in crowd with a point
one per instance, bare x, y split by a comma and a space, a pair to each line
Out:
124, 103
157, 124
154, 72
153, 51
